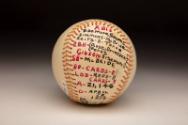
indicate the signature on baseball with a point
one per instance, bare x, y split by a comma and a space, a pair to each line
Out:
99, 61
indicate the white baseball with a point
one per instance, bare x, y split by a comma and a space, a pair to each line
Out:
94, 61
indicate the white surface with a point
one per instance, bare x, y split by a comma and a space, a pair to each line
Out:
29, 95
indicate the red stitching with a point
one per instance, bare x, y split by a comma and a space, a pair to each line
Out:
129, 68
68, 81
75, 94
67, 55
125, 41
130, 64
125, 77
95, 22
124, 81
74, 28
67, 47
100, 22
112, 27
69, 74
80, 26
70, 78
78, 30
84, 25
68, 69
119, 89
130, 47
87, 23
128, 50
120, 85
74, 32
92, 22
75, 90
130, 56
67, 64
116, 93
119, 32
113, 96
69, 43
122, 35
66, 51
108, 25
69, 85
115, 29
125, 38
130, 60
66, 60
70, 39
71, 35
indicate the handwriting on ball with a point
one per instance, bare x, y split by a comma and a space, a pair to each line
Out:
98, 55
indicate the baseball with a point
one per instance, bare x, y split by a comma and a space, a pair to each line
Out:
94, 61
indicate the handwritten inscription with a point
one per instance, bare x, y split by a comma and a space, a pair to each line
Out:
97, 57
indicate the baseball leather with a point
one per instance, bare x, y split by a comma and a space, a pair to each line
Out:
94, 61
